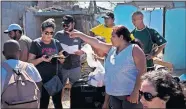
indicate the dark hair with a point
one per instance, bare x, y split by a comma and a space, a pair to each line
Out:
48, 23
137, 13
122, 30
167, 87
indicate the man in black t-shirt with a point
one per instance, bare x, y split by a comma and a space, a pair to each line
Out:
71, 66
71, 69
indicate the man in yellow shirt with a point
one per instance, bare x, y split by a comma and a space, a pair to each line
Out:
104, 30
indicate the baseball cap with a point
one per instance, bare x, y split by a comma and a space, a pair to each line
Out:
67, 19
13, 27
108, 15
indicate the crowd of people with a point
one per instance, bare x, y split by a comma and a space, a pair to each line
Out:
130, 79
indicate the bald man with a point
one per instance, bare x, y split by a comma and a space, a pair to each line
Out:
153, 42
12, 51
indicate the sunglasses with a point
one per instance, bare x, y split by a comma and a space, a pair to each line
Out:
49, 33
66, 25
148, 96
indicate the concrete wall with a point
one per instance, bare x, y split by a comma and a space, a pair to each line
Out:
33, 24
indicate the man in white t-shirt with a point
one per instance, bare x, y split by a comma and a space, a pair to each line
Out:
11, 51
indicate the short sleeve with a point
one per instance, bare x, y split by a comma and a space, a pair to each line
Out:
59, 46
157, 38
56, 35
34, 48
33, 73
96, 30
23, 45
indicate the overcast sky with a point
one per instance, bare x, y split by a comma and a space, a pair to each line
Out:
106, 5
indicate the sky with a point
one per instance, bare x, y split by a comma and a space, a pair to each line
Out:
106, 5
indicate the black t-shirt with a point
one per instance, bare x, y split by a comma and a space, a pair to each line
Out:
72, 61
46, 69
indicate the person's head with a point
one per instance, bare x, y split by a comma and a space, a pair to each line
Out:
137, 19
121, 34
11, 49
160, 90
68, 23
14, 31
47, 29
109, 19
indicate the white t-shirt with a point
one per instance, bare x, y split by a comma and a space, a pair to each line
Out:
31, 70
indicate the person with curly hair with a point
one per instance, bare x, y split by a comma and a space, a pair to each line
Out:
161, 90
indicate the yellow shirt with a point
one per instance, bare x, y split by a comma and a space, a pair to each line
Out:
103, 31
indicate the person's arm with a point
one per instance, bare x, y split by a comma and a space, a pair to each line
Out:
94, 42
160, 49
24, 51
60, 50
92, 34
32, 55
31, 59
106, 102
140, 62
159, 40
80, 52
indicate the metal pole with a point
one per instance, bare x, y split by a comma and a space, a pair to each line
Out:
164, 20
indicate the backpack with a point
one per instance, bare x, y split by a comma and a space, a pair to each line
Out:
19, 91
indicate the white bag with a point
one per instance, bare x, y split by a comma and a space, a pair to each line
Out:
96, 78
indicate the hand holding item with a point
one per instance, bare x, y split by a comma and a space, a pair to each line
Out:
46, 58
133, 98
79, 52
149, 57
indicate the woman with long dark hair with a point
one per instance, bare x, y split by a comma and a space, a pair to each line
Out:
124, 64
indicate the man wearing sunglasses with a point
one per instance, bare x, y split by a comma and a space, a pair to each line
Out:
15, 32
71, 67
104, 30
